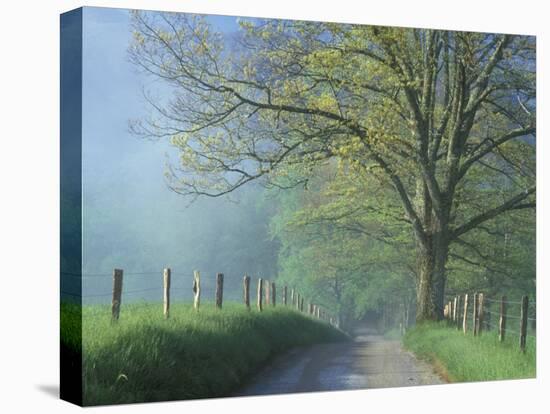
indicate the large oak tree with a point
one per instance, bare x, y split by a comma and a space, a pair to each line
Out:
430, 113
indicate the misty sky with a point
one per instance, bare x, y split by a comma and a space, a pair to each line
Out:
131, 219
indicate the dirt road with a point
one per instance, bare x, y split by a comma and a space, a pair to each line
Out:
370, 361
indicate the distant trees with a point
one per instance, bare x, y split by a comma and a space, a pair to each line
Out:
446, 120
341, 237
212, 237
497, 258
342, 243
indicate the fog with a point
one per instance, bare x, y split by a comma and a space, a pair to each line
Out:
131, 219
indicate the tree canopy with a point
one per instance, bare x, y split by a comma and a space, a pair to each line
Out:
436, 127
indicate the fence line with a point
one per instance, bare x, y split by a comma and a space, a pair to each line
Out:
481, 316
266, 294
107, 275
507, 301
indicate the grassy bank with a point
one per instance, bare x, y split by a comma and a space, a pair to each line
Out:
191, 355
467, 358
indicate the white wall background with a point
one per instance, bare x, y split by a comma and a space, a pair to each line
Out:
29, 192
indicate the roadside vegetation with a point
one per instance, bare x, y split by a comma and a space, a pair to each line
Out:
463, 358
144, 357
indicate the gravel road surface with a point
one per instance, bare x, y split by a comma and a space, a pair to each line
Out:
369, 361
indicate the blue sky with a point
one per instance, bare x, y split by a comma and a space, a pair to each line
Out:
112, 91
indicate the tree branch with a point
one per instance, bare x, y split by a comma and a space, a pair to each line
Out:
519, 132
489, 214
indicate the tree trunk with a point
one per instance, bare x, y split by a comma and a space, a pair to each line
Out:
431, 263
432, 248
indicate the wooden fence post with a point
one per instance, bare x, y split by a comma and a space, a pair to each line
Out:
219, 290
523, 325
196, 289
166, 284
310, 308
465, 316
117, 294
502, 319
301, 303
260, 294
246, 291
284, 295
479, 313
318, 312
490, 316
457, 314
273, 294
455, 303
292, 297
453, 310
267, 294
475, 314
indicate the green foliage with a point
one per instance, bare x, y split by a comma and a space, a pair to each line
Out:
468, 358
415, 138
143, 357
342, 243
497, 259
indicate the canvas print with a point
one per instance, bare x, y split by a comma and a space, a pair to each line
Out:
255, 206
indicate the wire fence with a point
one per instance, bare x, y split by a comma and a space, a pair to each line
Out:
475, 313
135, 284
108, 294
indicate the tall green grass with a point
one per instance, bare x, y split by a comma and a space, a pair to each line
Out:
468, 358
144, 357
